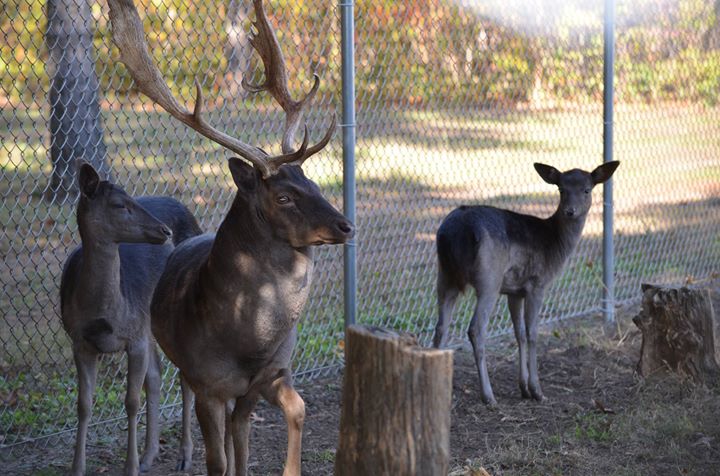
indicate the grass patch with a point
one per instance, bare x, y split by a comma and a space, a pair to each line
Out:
413, 167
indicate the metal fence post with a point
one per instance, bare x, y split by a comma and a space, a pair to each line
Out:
348, 130
608, 248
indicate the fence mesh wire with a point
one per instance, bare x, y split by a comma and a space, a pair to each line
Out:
456, 100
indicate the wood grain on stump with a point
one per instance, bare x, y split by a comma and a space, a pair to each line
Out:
395, 416
678, 333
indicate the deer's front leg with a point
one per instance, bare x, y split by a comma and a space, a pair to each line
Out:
241, 430
211, 416
515, 306
533, 303
137, 368
86, 364
281, 393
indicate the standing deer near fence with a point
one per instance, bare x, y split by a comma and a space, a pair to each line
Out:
105, 292
226, 309
498, 251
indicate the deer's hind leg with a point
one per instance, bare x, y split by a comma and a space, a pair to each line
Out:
186, 444
447, 294
152, 396
137, 370
487, 290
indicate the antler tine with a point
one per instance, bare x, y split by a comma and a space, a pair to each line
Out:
265, 42
320, 145
128, 35
296, 157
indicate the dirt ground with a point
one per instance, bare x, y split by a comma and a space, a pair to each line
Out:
599, 417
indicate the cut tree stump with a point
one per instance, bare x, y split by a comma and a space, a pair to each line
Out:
678, 333
395, 417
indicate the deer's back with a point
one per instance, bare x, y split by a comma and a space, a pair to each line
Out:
478, 240
174, 214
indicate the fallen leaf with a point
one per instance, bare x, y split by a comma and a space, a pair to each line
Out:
598, 404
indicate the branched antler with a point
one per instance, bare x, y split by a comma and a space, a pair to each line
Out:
129, 37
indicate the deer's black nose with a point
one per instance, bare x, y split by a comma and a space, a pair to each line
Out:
570, 212
346, 227
166, 231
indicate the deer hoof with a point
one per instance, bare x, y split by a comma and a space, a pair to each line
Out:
131, 470
537, 395
184, 464
490, 402
524, 392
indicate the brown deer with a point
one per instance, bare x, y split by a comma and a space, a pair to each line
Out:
226, 309
105, 293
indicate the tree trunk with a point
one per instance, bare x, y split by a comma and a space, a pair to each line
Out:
711, 37
678, 333
238, 50
75, 128
396, 406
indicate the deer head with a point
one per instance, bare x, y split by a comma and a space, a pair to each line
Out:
576, 186
108, 214
276, 186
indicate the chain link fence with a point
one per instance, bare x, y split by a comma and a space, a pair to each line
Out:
456, 100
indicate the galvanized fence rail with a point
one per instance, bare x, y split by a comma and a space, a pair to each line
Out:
455, 101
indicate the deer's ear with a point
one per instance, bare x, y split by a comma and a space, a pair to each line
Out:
548, 173
243, 174
604, 172
88, 179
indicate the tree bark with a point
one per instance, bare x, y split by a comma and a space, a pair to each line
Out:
238, 50
711, 37
396, 406
75, 128
678, 333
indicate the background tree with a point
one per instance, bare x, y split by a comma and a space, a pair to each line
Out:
237, 48
75, 128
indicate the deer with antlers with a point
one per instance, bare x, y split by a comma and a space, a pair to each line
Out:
225, 311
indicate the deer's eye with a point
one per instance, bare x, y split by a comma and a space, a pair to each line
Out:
587, 190
283, 199
118, 206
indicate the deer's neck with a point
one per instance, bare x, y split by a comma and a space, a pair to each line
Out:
567, 233
99, 279
246, 253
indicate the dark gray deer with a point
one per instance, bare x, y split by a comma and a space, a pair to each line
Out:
226, 309
105, 292
498, 251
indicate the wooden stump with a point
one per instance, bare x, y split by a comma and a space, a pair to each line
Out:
678, 333
396, 406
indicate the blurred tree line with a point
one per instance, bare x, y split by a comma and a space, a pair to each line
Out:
428, 52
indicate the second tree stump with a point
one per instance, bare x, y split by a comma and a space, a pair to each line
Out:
678, 332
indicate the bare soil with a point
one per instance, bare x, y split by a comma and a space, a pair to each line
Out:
599, 417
